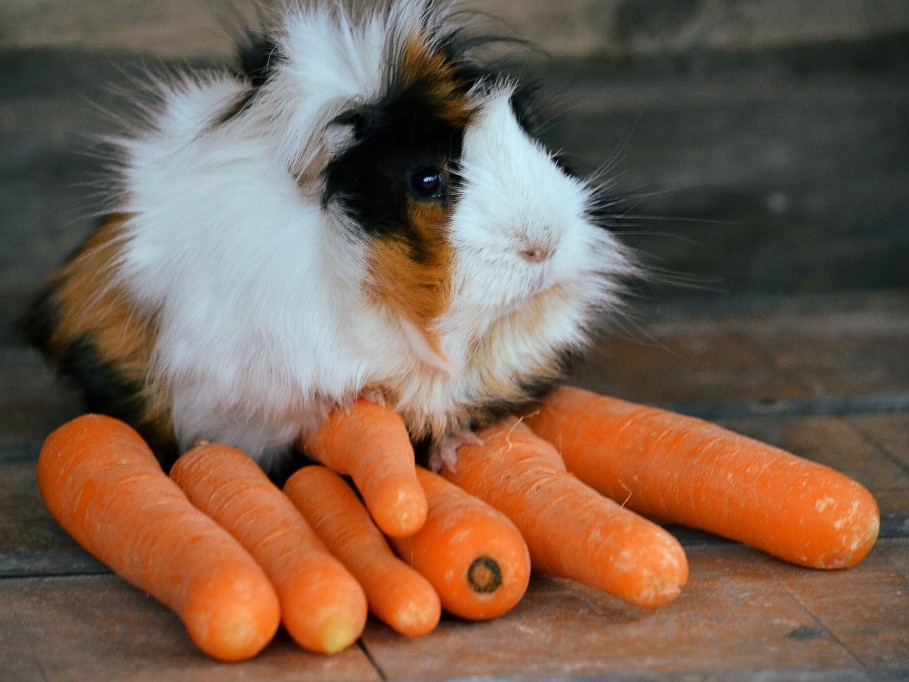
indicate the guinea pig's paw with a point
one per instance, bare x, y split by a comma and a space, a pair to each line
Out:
371, 395
374, 395
444, 452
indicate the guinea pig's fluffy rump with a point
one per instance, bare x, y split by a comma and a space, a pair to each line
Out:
362, 212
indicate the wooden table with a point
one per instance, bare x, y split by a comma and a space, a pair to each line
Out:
824, 376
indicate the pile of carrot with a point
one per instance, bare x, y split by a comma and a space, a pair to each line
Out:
687, 471
566, 489
104, 486
323, 606
572, 531
369, 442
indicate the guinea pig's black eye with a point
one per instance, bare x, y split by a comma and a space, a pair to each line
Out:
426, 182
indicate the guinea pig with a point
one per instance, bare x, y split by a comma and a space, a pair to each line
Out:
362, 209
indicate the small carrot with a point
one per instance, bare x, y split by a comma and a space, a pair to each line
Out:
396, 593
472, 555
370, 443
104, 486
572, 531
691, 472
322, 605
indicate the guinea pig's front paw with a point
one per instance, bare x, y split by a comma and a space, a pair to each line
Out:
371, 395
444, 452
374, 395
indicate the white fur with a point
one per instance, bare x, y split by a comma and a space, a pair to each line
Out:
257, 289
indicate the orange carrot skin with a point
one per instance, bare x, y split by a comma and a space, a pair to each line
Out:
572, 531
691, 472
473, 556
369, 442
397, 594
322, 605
103, 485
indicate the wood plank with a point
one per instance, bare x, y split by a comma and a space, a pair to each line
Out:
99, 628
782, 349
747, 610
33, 401
734, 609
31, 542
867, 611
741, 604
839, 444
573, 27
887, 434
726, 167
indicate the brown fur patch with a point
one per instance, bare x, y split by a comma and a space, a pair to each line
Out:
91, 306
413, 278
438, 79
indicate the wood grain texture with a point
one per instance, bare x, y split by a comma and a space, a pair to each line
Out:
766, 350
739, 614
98, 628
569, 27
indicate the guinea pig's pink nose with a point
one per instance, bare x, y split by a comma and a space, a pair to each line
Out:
535, 253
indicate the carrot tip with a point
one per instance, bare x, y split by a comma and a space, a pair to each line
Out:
484, 575
401, 513
416, 620
337, 633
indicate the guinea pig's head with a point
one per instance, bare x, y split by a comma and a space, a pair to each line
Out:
481, 242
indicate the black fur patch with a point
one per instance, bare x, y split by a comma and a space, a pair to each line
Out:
410, 127
40, 321
534, 388
107, 392
369, 180
257, 55
523, 106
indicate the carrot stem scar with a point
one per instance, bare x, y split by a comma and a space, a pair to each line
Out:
484, 575
472, 554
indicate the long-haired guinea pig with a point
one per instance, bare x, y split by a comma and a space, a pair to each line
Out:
362, 209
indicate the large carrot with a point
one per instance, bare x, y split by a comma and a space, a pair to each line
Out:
322, 605
572, 531
473, 555
396, 593
104, 486
688, 471
370, 443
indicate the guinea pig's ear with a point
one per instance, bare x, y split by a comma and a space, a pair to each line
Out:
341, 133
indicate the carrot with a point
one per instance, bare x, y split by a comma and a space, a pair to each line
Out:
322, 605
687, 471
104, 486
396, 593
572, 531
472, 555
370, 443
